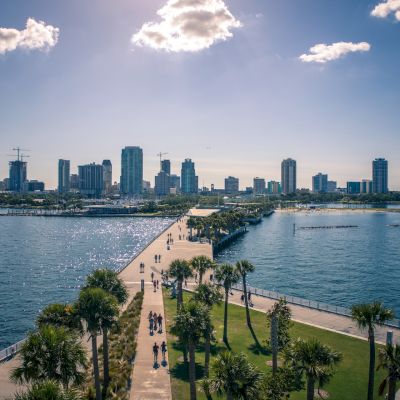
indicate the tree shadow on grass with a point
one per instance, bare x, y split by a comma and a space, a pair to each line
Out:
181, 371
257, 350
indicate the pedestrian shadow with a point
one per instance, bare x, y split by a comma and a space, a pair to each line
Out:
164, 363
156, 365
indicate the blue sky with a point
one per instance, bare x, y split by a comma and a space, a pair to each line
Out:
236, 108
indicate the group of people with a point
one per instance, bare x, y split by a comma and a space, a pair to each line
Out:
248, 299
156, 349
155, 322
156, 283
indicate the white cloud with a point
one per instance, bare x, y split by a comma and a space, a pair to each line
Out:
36, 36
382, 10
188, 25
322, 53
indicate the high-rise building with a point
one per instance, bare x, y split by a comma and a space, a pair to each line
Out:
146, 186
189, 180
162, 184
366, 186
18, 175
34, 186
231, 185
332, 186
107, 176
274, 187
64, 179
131, 171
380, 175
320, 183
258, 186
175, 182
289, 176
91, 179
74, 182
353, 187
166, 166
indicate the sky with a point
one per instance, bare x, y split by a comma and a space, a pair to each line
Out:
235, 85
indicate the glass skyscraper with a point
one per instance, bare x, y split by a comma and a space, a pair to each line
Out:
289, 176
380, 175
189, 180
131, 171
320, 183
64, 179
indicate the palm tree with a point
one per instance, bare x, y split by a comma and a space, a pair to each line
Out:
180, 269
368, 317
389, 359
190, 324
51, 353
313, 359
96, 307
243, 268
209, 295
201, 264
48, 390
227, 275
60, 315
234, 376
109, 281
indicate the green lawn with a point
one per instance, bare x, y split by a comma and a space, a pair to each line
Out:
349, 382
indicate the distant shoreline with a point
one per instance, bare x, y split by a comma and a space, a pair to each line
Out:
335, 210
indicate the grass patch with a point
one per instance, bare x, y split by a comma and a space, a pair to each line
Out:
349, 383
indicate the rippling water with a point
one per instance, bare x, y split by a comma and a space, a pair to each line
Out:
336, 266
44, 260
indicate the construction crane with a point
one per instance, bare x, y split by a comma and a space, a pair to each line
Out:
20, 156
161, 154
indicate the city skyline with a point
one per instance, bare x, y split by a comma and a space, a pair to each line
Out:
264, 88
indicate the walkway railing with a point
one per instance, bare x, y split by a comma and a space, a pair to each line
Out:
314, 305
10, 351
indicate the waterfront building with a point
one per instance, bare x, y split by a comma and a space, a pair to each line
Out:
366, 186
146, 186
289, 176
166, 166
231, 185
131, 171
189, 180
107, 176
380, 175
259, 186
34, 186
74, 182
274, 187
320, 183
91, 180
162, 184
17, 175
353, 187
332, 186
64, 179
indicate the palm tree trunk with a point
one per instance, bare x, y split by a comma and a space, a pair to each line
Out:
246, 302
392, 389
207, 351
225, 336
310, 388
179, 296
192, 371
96, 366
106, 376
371, 375
200, 278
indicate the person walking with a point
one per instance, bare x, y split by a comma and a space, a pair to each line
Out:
155, 286
152, 276
155, 317
155, 352
163, 350
242, 298
159, 320
155, 258
151, 325
159, 258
